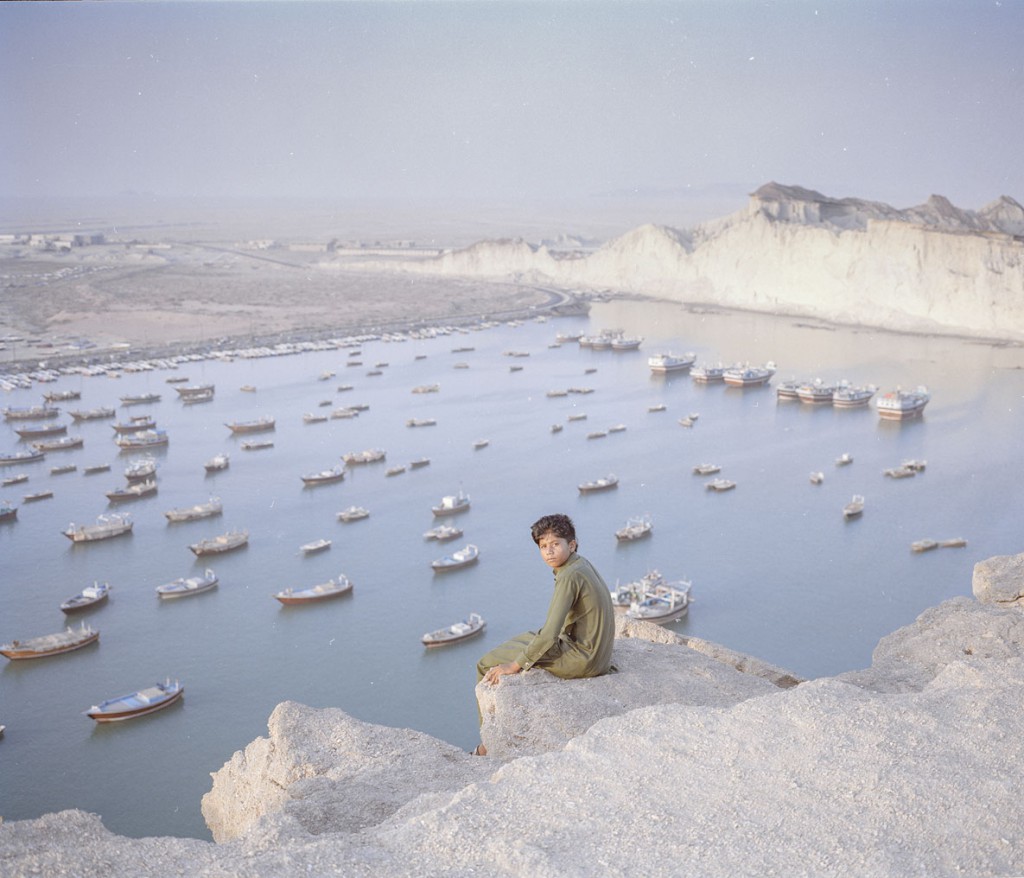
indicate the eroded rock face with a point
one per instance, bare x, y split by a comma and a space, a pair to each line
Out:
999, 580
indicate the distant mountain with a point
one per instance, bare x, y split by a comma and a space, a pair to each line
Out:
934, 267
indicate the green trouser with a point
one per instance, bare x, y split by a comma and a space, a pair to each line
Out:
509, 651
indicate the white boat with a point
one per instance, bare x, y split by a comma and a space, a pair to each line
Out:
624, 596
846, 396
844, 459
605, 484
789, 389
657, 407
217, 462
201, 390
706, 469
816, 392
923, 545
900, 405
139, 469
90, 596
325, 477
665, 603
395, 470
748, 376
314, 546
8, 511
138, 703
134, 491
25, 456
353, 513
855, 507
443, 532
452, 504
662, 363
626, 343
256, 445
140, 398
94, 468
333, 588
899, 472
192, 513
481, 443
41, 430
419, 462
143, 439
473, 624
310, 418
227, 542
259, 425
29, 413
463, 557
720, 485
107, 526
708, 374
817, 478
637, 527
185, 586
371, 455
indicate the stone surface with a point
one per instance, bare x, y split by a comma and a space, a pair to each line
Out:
999, 580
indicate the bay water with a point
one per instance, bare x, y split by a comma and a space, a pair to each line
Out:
776, 570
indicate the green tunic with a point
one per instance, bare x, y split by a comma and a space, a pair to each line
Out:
576, 640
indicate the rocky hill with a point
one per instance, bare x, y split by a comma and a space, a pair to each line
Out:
930, 268
690, 760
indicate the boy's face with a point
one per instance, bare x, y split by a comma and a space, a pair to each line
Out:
555, 550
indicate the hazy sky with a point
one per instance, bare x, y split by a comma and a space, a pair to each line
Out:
886, 99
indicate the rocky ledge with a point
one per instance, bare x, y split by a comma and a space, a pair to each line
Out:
690, 760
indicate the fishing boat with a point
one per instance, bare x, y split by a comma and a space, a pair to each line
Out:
256, 445
817, 478
30, 412
657, 407
227, 542
665, 603
205, 395
636, 528
140, 398
61, 470
706, 469
333, 588
259, 425
900, 405
608, 482
113, 524
844, 459
720, 485
708, 374
143, 439
918, 466
25, 456
443, 533
419, 462
353, 513
140, 469
626, 343
816, 392
136, 704
395, 470
190, 390
314, 546
452, 504
854, 508
15, 480
217, 462
661, 364
67, 640
41, 431
789, 389
211, 507
463, 557
324, 477
92, 414
185, 586
134, 425
899, 472
748, 376
134, 491
923, 545
846, 396
65, 443
38, 495
310, 418
626, 595
421, 422
473, 624
61, 395
88, 597
372, 455
8, 511
954, 543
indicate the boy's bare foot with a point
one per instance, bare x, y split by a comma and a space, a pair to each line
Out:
480, 750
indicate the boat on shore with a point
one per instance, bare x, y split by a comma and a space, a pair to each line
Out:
259, 425
333, 588
134, 491
137, 704
901, 405
855, 507
143, 439
211, 507
226, 542
636, 528
443, 532
661, 364
353, 513
92, 414
473, 624
217, 463
185, 586
607, 483
67, 640
314, 546
113, 524
25, 456
468, 554
452, 504
88, 597
664, 603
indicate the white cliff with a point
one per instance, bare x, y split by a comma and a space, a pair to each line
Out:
934, 267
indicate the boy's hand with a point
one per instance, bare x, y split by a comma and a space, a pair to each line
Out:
494, 674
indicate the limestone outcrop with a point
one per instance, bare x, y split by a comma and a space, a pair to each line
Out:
910, 767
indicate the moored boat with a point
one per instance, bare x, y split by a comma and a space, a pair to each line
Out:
256, 445
185, 586
707, 374
8, 511
314, 546
473, 624
38, 495
217, 462
353, 513
140, 469
855, 507
25, 456
143, 439
15, 480
196, 390
50, 644
463, 557
371, 455
635, 528
30, 412
92, 414
452, 504
134, 425
140, 398
816, 392
61, 470
443, 532
665, 603
137, 704
923, 545
211, 507
706, 469
226, 542
259, 425
135, 491
663, 363
41, 431
604, 484
748, 376
107, 526
333, 588
65, 443
720, 485
324, 477
61, 395
90, 596
900, 405
846, 396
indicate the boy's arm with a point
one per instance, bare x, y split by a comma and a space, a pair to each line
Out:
561, 603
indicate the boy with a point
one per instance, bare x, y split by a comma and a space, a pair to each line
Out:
577, 636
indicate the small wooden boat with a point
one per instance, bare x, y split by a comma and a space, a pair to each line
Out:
373, 455
353, 513
178, 379
134, 491
344, 413
92, 414
192, 390
597, 434
88, 597
140, 398
142, 439
463, 557
923, 545
473, 624
136, 704
854, 508
706, 469
452, 504
185, 586
427, 388
62, 395
42, 430
443, 532
324, 477
657, 407
314, 546
333, 588
257, 445
227, 542
15, 480
61, 470
817, 478
106, 527
211, 507
38, 495
94, 468
720, 485
579, 417
142, 469
419, 462
25, 456
636, 528
65, 443
259, 425
557, 428
607, 483
394, 470
421, 422
954, 543
844, 459
134, 425
481, 443
50, 644
662, 364
217, 462
310, 418
617, 428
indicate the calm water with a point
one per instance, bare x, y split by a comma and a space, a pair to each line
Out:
776, 571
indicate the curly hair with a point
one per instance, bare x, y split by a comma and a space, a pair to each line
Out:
558, 524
